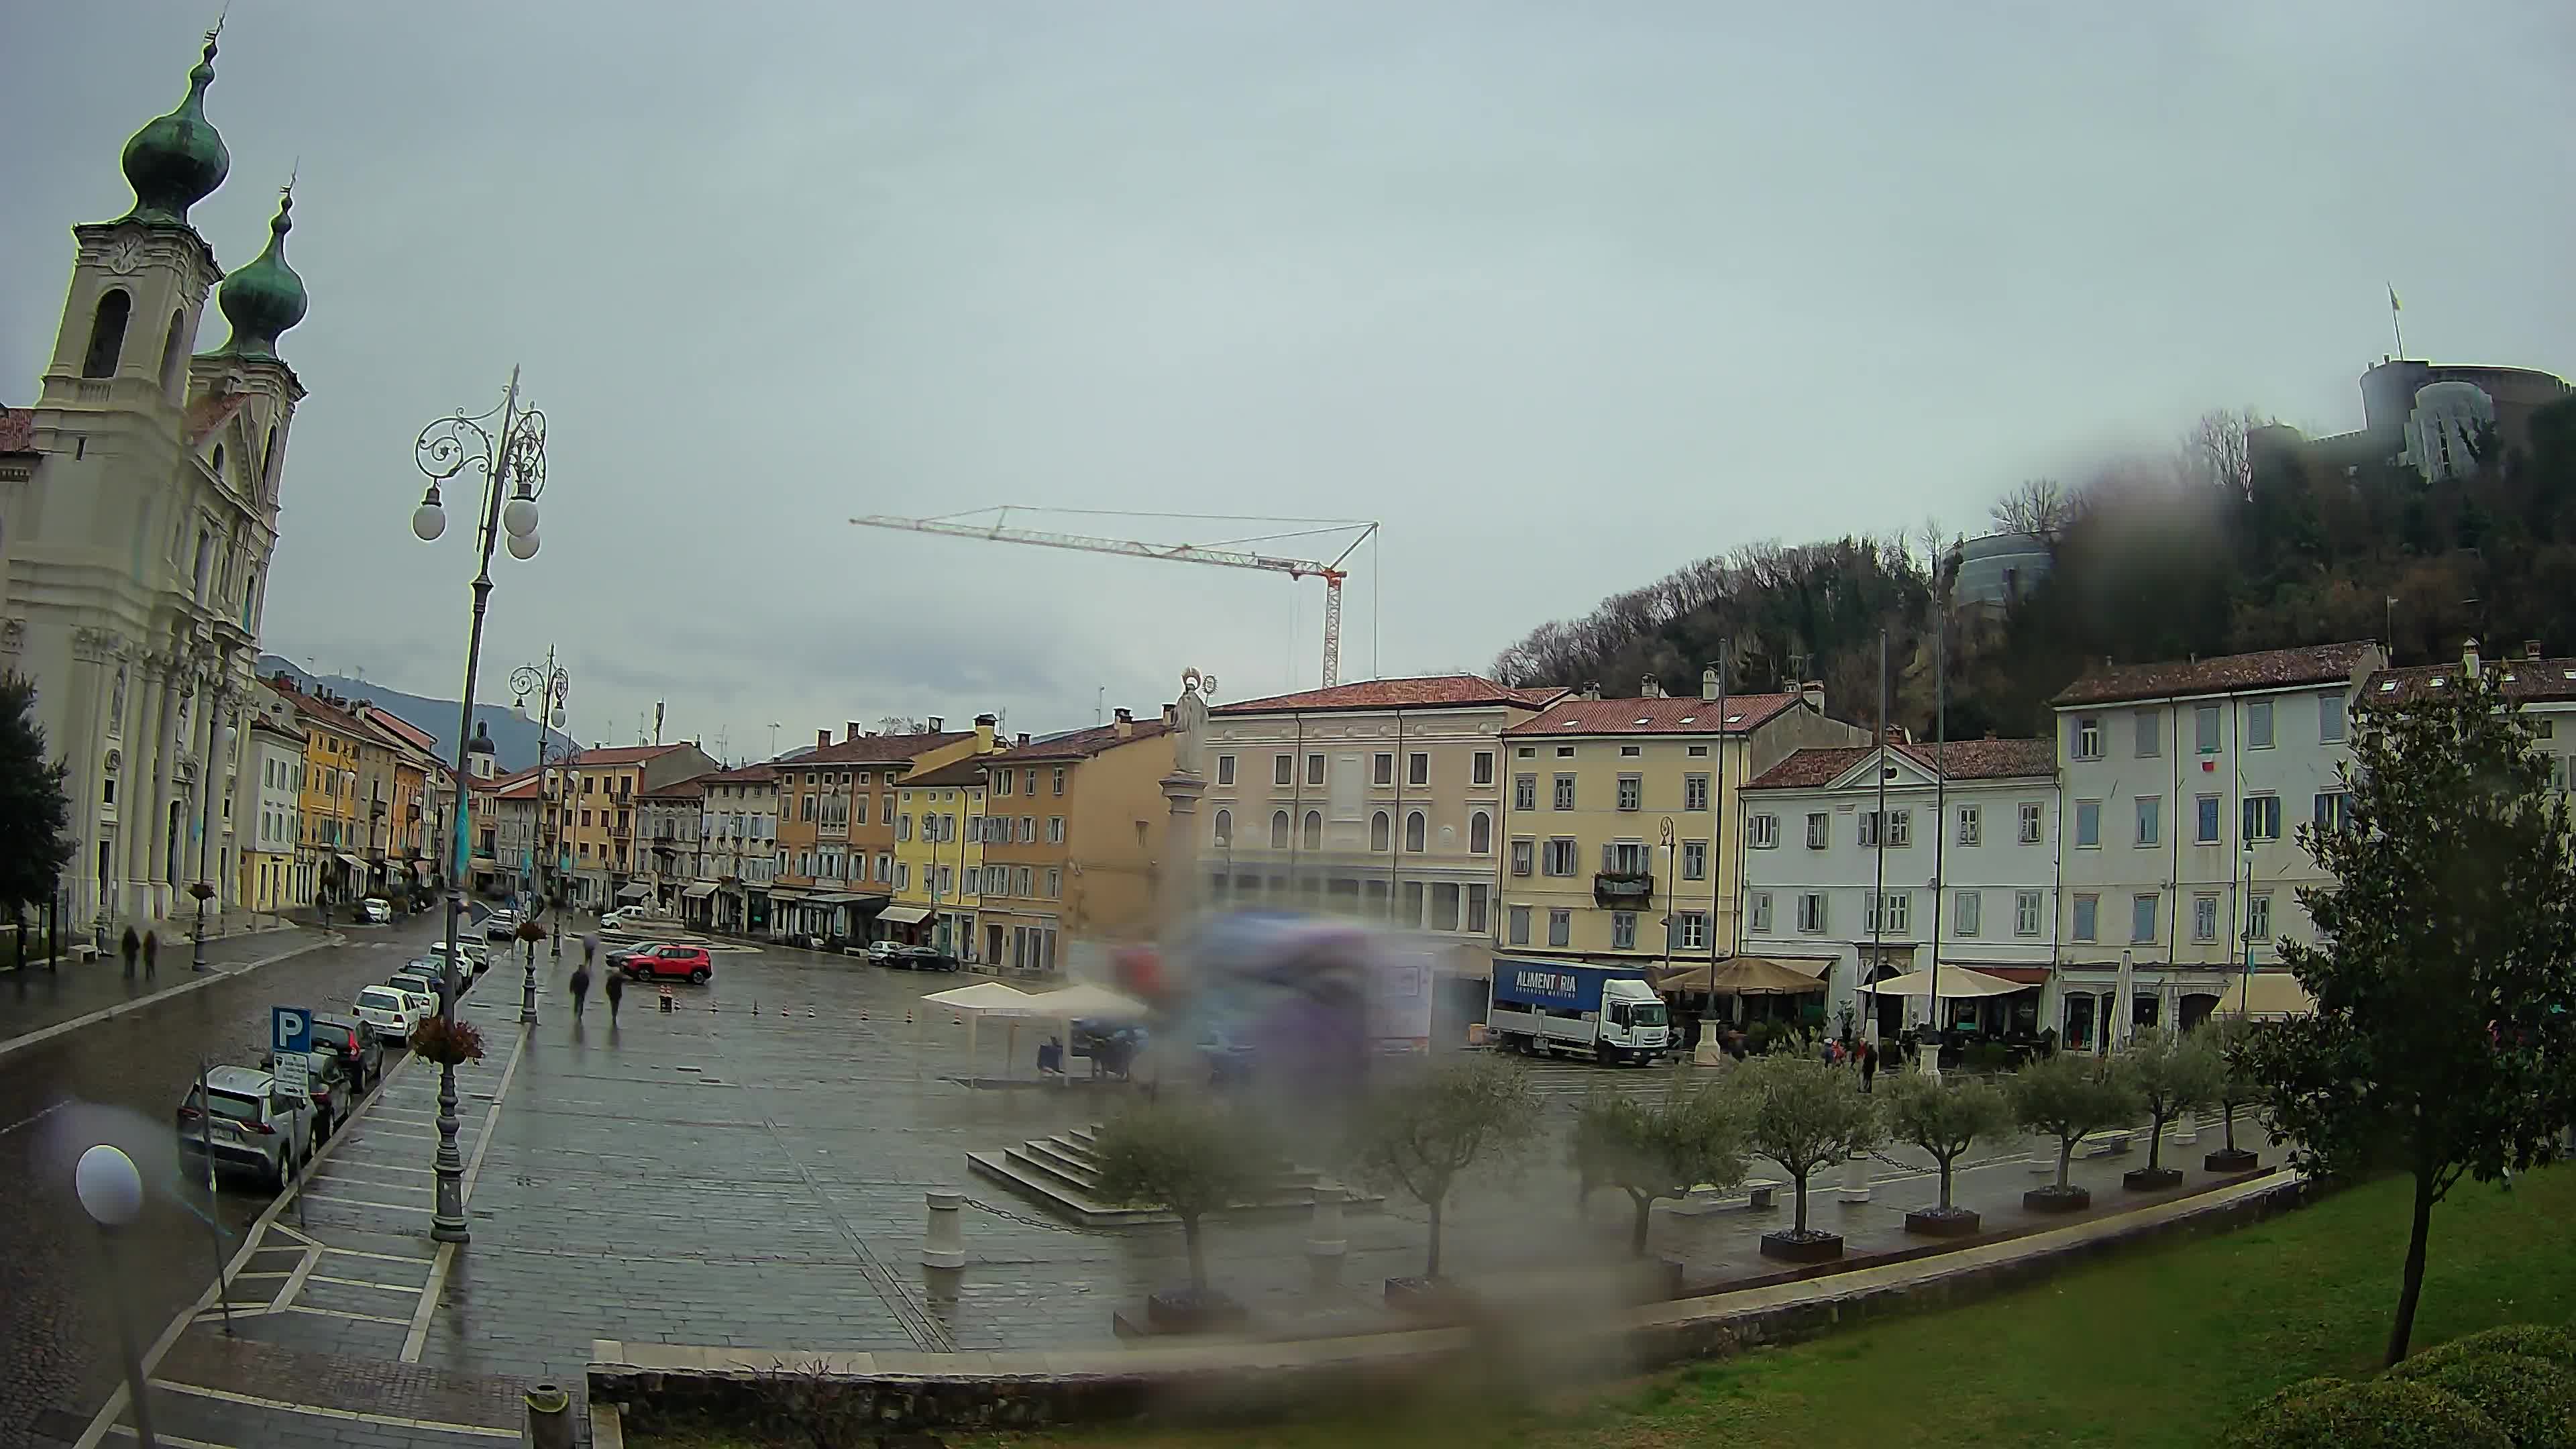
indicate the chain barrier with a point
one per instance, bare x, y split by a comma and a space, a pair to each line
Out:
1023, 1219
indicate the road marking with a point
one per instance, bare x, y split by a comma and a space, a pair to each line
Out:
381, 1166
38, 1117
322, 1411
363, 1283
391, 1207
171, 1439
382, 1257
295, 1282
109, 1013
418, 1338
337, 1313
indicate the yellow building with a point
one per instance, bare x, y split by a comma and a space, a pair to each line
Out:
590, 815
836, 813
1073, 831
938, 854
331, 834
1620, 819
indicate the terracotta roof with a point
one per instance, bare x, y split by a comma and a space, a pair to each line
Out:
17, 430
2271, 669
1959, 760
620, 755
1079, 745
263, 722
876, 749
523, 788
747, 775
402, 729
2529, 680
1694, 716
968, 771
692, 788
1434, 691
211, 411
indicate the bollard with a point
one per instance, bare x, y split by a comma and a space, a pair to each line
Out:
549, 1417
667, 1003
945, 1246
1325, 1245
1855, 1178
2186, 1129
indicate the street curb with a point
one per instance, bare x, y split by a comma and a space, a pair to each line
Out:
110, 1013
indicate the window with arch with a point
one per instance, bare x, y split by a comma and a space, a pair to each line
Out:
1413, 829
218, 465
268, 462
107, 333
174, 350
1480, 833
1378, 831
1225, 827
1279, 830
1314, 837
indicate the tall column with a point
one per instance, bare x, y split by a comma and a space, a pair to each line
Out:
1181, 791
148, 724
182, 697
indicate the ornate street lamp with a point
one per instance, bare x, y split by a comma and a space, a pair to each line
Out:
552, 685
508, 446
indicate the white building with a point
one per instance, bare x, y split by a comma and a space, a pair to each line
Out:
738, 855
1365, 799
138, 510
2185, 784
669, 824
2544, 688
268, 818
1965, 870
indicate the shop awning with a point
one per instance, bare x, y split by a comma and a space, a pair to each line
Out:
635, 892
1957, 982
904, 915
351, 861
1741, 976
845, 898
700, 891
2267, 994
422, 869
787, 893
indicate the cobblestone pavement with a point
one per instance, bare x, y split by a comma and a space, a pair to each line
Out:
37, 998
119, 1080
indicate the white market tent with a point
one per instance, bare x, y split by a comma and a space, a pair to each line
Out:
1957, 982
983, 999
1085, 1001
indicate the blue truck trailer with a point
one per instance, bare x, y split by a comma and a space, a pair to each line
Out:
1608, 1013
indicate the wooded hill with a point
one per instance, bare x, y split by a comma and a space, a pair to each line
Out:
2218, 547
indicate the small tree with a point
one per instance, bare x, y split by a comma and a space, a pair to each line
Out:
2173, 1073
35, 815
1942, 1115
1803, 1115
2441, 1044
2070, 1094
1420, 1132
1659, 1149
1187, 1157
2228, 1039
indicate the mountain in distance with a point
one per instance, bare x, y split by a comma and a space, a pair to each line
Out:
515, 740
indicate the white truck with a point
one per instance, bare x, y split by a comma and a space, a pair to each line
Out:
1607, 1013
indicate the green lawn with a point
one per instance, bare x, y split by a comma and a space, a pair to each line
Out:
2155, 1349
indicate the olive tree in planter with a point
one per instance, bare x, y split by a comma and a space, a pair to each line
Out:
2065, 1096
2173, 1073
2227, 1038
1658, 1149
1944, 1116
1421, 1131
1803, 1115
1191, 1159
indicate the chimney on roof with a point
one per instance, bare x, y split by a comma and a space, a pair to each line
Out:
1171, 716
822, 738
2531, 649
1024, 738
1896, 734
1650, 688
1123, 723
985, 725
849, 731
935, 725
1813, 692
2469, 657
1591, 690
1708, 684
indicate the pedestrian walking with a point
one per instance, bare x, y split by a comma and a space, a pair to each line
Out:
580, 988
132, 946
151, 954
1868, 1065
615, 986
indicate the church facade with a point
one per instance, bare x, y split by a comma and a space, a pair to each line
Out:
138, 513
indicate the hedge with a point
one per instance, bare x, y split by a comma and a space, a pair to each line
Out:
2533, 1400
2374, 1414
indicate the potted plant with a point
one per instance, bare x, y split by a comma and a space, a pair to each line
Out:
1420, 1131
446, 1042
1803, 1115
2066, 1096
1660, 1149
202, 891
1944, 1116
2227, 1037
2173, 1073
1191, 1160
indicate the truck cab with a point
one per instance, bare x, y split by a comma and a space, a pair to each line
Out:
1607, 1013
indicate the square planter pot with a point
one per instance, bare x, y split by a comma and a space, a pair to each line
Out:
2054, 1200
1958, 1222
1787, 1246
1437, 1299
2150, 1179
1187, 1312
2231, 1159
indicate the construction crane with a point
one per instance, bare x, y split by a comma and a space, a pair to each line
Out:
1221, 554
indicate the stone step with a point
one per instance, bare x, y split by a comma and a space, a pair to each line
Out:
1079, 1199
1033, 1158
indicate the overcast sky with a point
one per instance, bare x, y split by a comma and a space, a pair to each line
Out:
1567, 295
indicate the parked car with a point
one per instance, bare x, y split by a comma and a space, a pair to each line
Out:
924, 958
500, 925
665, 961
389, 1013
419, 985
477, 959
376, 911
351, 1039
326, 1082
630, 918
881, 953
247, 1124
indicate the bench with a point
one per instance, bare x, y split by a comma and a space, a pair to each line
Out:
2113, 1143
1762, 1193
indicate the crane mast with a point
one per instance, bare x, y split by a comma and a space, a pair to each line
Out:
1296, 568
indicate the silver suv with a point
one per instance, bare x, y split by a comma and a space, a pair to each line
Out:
254, 1127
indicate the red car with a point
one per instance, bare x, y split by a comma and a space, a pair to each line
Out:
656, 962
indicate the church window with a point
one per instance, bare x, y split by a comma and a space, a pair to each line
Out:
107, 334
219, 462
174, 350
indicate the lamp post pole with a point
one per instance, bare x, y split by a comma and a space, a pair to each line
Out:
219, 736
111, 1192
551, 685
508, 446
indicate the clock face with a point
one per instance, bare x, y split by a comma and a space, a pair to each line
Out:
125, 255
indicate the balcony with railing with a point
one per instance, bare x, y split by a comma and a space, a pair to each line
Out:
1625, 890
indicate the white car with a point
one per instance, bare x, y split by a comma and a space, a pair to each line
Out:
376, 911
472, 953
389, 1013
254, 1125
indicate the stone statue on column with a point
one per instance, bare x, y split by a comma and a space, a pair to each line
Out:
1181, 790
1189, 720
